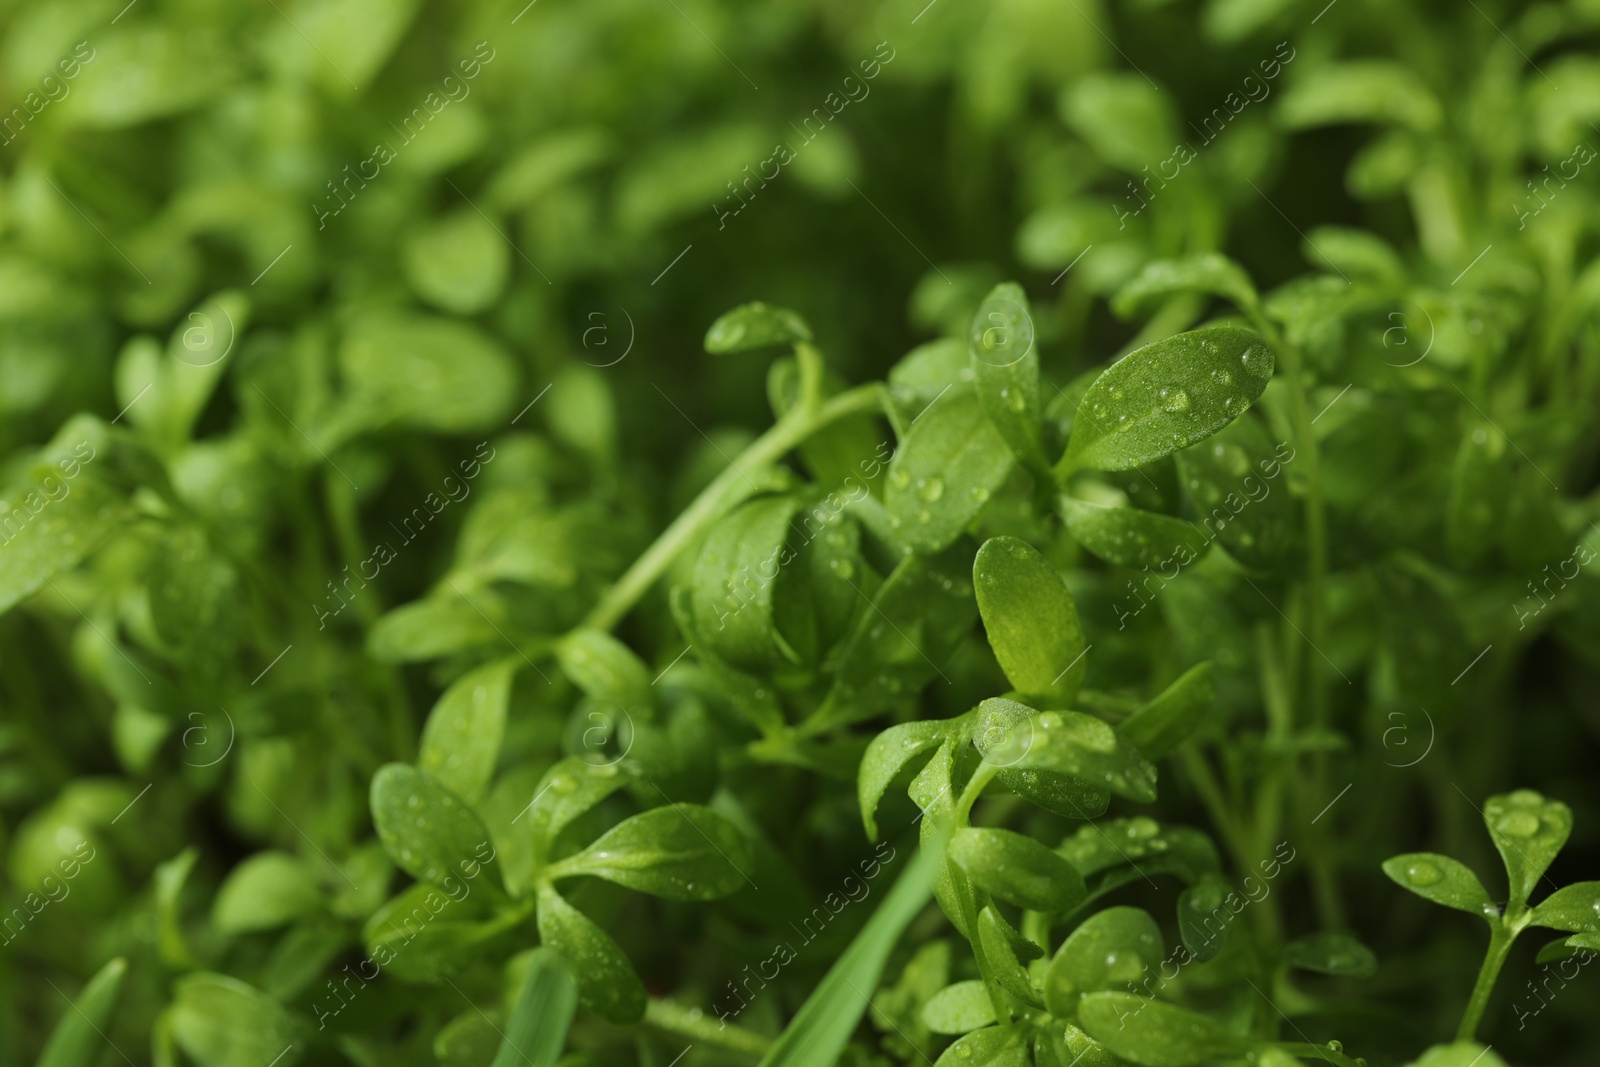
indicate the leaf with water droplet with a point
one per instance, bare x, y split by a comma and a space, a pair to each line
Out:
952, 441
1119, 851
429, 831
1528, 830
1132, 537
1129, 416
1030, 620
1155, 1034
1209, 273
461, 739
607, 982
992, 1046
886, 756
1014, 736
1331, 953
1441, 880
1005, 366
755, 325
1111, 949
1016, 869
745, 586
605, 669
1205, 912
1163, 724
1575, 907
680, 852
567, 790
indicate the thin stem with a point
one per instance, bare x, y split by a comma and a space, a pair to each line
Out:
727, 489
1499, 947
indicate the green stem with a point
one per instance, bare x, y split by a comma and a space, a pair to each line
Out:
726, 490
697, 1026
1499, 947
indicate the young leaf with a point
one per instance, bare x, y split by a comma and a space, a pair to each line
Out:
1575, 907
222, 1022
822, 1027
948, 465
1005, 364
604, 668
1166, 396
1209, 273
424, 933
958, 1008
1030, 620
742, 574
566, 791
1069, 742
1233, 480
1161, 725
607, 982
1204, 915
267, 890
1017, 869
1130, 537
78, 1039
1441, 880
1331, 953
428, 831
537, 1031
680, 851
994, 1046
461, 739
50, 525
1154, 1034
1139, 844
999, 940
755, 325
886, 756
1528, 830
1111, 949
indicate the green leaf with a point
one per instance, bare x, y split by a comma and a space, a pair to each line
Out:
425, 373
537, 1032
1111, 949
430, 628
1331, 953
1209, 273
1126, 120
918, 618
1163, 724
1000, 940
1441, 880
822, 1027
949, 463
1458, 1054
1060, 1044
1166, 396
1232, 479
429, 831
51, 520
1017, 869
1528, 830
681, 852
607, 982
1382, 91
1030, 619
193, 592
741, 577
1068, 742
994, 1046
79, 1038
604, 668
1204, 915
958, 1008
755, 325
426, 935
458, 262
1575, 907
461, 739
1005, 366
1122, 850
267, 890
222, 1022
566, 791
1154, 1034
886, 756
1133, 538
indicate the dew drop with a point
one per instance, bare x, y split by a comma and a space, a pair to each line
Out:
1423, 873
1174, 400
1518, 824
931, 489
